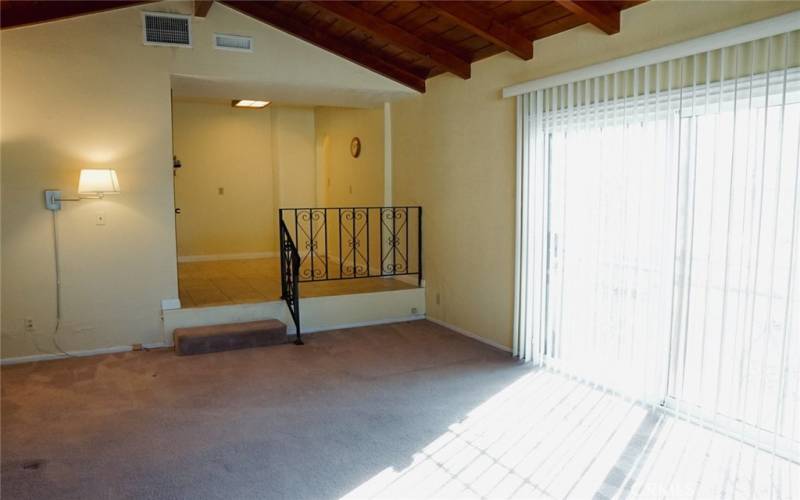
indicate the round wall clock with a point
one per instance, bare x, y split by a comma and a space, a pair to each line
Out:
355, 147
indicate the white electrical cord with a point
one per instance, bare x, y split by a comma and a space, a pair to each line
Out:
58, 295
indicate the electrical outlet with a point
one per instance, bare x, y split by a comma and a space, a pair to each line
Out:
438, 299
221, 191
100, 218
29, 326
413, 310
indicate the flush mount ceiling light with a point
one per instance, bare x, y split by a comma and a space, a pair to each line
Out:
249, 103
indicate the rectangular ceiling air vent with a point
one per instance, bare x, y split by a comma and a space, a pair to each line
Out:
173, 30
233, 42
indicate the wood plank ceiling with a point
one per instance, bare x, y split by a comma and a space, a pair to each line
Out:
406, 41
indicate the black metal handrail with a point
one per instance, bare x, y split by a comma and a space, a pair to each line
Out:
337, 243
290, 272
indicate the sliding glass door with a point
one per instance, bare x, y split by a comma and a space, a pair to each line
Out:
612, 211
735, 351
668, 236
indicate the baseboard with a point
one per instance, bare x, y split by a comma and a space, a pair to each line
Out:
157, 345
471, 335
413, 317
226, 256
78, 354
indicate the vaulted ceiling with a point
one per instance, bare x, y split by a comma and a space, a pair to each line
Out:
406, 41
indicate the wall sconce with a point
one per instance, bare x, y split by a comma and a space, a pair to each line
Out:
94, 183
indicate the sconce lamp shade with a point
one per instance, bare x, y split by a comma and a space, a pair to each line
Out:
98, 182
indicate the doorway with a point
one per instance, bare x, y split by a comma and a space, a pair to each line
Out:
238, 167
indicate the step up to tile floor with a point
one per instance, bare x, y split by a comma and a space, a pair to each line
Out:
216, 338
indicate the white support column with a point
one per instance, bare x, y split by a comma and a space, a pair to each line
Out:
387, 154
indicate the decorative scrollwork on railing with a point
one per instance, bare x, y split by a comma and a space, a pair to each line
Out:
355, 242
351, 270
307, 274
290, 271
311, 227
394, 234
353, 228
358, 214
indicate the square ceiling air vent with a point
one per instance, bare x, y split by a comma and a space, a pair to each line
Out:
161, 28
233, 42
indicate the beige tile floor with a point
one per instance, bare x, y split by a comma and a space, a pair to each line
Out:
228, 282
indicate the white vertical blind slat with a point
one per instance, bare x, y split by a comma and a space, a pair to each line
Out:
657, 214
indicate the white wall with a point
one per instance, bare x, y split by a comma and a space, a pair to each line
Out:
288, 70
319, 313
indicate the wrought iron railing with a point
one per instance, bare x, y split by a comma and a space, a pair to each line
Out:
290, 273
355, 242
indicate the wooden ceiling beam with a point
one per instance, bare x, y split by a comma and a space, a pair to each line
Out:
201, 7
594, 13
388, 32
483, 25
284, 22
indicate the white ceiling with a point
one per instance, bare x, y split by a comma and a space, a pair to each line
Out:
281, 68
186, 87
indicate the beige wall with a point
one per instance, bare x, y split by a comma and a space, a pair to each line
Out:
85, 92
264, 160
222, 147
62, 112
454, 150
344, 180
294, 156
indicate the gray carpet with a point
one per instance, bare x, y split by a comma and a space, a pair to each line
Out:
277, 422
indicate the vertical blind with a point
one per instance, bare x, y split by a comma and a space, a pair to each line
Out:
657, 235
